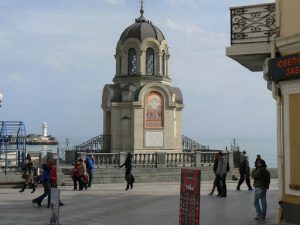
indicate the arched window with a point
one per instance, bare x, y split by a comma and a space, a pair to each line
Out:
154, 110
132, 61
164, 61
150, 61
120, 65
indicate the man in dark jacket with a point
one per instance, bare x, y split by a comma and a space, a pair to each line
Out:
244, 174
261, 183
46, 181
221, 172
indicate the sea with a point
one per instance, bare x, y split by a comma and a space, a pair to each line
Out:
265, 146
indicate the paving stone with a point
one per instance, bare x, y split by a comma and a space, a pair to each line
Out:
145, 204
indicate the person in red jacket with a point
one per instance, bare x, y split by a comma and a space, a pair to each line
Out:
75, 174
53, 174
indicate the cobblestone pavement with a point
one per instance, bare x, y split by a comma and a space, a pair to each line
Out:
145, 204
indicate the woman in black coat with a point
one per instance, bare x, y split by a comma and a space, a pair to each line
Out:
28, 174
128, 166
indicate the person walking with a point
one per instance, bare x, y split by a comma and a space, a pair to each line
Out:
53, 175
258, 158
128, 176
90, 161
83, 175
214, 169
28, 174
221, 172
75, 175
261, 183
244, 170
46, 181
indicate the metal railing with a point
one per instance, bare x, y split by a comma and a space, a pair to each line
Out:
252, 24
189, 145
99, 143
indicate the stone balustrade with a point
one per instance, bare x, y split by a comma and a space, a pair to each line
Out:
156, 160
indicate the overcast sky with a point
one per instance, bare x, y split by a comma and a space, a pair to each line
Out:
56, 56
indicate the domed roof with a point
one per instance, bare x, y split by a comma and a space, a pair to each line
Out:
142, 29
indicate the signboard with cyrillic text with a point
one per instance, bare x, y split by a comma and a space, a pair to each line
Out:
189, 213
284, 68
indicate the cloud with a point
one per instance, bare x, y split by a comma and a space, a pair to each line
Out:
194, 34
115, 2
193, 4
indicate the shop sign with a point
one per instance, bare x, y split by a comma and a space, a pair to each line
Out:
284, 68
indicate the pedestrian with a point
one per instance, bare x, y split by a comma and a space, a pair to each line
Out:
28, 174
83, 175
261, 183
258, 157
45, 179
244, 170
221, 172
90, 161
128, 175
75, 174
53, 174
214, 169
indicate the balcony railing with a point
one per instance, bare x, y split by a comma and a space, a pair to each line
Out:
252, 24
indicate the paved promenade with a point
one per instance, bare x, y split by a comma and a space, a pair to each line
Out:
145, 204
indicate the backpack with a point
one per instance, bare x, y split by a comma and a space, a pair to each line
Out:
267, 179
46, 175
227, 166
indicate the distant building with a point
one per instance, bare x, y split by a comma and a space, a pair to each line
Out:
266, 38
141, 110
45, 129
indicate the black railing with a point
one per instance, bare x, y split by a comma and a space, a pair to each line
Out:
252, 24
189, 145
100, 143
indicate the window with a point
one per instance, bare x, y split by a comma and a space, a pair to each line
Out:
132, 61
150, 61
120, 65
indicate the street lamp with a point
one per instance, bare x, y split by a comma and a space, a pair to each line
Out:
1, 98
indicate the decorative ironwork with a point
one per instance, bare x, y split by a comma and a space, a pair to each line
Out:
253, 24
189, 145
150, 61
132, 61
99, 143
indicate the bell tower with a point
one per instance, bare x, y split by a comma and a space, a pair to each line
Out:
141, 110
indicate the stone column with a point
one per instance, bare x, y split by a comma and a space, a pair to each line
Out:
198, 159
159, 64
139, 62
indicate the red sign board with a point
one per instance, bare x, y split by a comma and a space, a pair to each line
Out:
284, 68
189, 213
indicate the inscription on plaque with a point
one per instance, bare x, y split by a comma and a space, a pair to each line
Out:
154, 139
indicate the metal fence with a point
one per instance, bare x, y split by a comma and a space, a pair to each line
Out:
252, 24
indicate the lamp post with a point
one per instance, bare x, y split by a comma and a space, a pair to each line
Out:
1, 98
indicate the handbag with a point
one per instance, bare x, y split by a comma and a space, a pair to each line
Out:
25, 174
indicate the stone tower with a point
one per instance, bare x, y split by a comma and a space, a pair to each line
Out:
141, 110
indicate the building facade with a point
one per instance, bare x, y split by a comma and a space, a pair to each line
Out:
141, 110
266, 38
